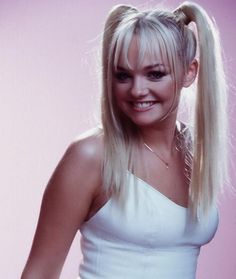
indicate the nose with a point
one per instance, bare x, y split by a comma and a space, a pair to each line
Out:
139, 87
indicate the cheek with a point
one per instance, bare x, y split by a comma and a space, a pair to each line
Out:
165, 90
119, 91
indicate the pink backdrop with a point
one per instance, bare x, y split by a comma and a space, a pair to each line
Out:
49, 93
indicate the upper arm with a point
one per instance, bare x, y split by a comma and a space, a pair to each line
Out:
65, 205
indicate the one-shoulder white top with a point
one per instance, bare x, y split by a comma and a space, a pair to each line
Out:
152, 238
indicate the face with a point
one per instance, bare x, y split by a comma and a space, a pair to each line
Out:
144, 93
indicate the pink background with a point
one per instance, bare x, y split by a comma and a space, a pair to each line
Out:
49, 93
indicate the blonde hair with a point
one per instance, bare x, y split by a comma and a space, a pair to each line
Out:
167, 33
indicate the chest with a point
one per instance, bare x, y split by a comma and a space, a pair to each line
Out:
150, 219
171, 181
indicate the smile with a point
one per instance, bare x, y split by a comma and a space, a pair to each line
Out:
142, 106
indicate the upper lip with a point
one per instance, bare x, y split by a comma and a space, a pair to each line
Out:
144, 101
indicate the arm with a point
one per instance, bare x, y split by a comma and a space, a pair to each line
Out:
65, 205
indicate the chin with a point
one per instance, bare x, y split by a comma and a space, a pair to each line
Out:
146, 122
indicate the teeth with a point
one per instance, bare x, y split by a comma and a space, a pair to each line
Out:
143, 104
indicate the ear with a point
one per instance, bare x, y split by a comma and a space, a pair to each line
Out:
191, 74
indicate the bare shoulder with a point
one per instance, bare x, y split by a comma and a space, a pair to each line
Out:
77, 178
87, 147
80, 166
86, 151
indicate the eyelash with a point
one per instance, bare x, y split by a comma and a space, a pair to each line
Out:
156, 75
122, 76
153, 75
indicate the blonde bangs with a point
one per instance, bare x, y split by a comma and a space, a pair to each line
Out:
151, 44
158, 43
122, 46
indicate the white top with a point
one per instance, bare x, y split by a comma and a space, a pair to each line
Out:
153, 238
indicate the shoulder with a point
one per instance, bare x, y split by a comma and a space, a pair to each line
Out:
79, 170
87, 149
77, 179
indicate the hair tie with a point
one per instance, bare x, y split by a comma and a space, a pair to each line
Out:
181, 16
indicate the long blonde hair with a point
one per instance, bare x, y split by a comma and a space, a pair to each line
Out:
168, 33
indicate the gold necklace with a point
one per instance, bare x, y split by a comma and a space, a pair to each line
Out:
158, 156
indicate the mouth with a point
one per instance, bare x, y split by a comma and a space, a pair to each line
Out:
143, 106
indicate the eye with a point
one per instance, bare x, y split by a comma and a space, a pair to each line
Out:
122, 76
155, 75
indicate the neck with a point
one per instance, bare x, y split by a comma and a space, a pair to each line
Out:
162, 137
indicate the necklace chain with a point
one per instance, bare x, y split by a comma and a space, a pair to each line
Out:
158, 156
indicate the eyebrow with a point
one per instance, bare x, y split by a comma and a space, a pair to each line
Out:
149, 67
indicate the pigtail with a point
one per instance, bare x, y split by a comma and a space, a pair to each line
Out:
209, 149
116, 157
114, 18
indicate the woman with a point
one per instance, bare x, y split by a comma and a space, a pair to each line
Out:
143, 189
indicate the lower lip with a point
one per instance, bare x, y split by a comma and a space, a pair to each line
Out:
142, 109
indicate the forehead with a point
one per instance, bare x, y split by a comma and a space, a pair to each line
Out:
137, 55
